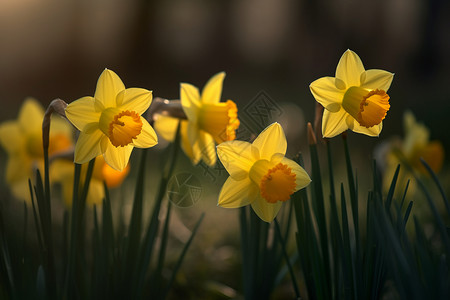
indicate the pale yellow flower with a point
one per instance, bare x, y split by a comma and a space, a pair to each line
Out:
63, 172
22, 140
260, 174
354, 99
110, 122
209, 121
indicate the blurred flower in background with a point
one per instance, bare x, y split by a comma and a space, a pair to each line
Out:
22, 140
62, 172
408, 152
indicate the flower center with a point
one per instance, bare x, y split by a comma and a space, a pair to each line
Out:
277, 183
120, 126
369, 108
220, 120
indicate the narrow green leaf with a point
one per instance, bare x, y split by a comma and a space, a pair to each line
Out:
182, 255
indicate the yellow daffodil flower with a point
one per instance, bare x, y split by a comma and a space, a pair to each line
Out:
209, 121
260, 175
414, 146
354, 99
110, 122
63, 171
22, 140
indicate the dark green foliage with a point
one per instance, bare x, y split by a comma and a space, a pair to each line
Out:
343, 258
110, 265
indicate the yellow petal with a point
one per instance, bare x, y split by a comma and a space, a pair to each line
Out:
88, 146
108, 86
21, 191
334, 123
213, 89
18, 167
371, 131
270, 141
82, 112
185, 145
31, 116
117, 157
349, 68
266, 211
326, 93
190, 100
302, 178
11, 137
207, 147
237, 158
134, 99
60, 126
236, 193
377, 79
193, 134
147, 137
96, 193
166, 127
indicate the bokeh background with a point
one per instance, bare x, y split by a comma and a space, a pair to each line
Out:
57, 49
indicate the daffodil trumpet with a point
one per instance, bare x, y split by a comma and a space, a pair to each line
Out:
260, 174
111, 122
354, 99
209, 121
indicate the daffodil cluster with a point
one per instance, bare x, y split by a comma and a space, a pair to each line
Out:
22, 140
111, 124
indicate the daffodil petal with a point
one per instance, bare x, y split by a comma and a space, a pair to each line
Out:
147, 137
213, 89
237, 158
96, 192
12, 137
117, 157
104, 143
88, 146
207, 147
349, 68
21, 191
193, 133
334, 123
265, 210
372, 131
31, 116
236, 193
302, 178
109, 85
326, 93
377, 79
270, 141
134, 99
190, 98
185, 145
82, 112
166, 127
18, 167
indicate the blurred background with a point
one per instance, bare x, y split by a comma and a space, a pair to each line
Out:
57, 49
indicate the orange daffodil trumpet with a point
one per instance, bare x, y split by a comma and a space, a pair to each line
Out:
110, 122
209, 120
260, 174
354, 99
